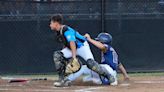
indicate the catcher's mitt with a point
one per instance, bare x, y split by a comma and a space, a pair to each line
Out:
73, 66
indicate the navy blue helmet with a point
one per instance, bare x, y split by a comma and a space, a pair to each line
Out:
104, 38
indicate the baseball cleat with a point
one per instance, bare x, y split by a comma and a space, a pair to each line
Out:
111, 79
114, 83
63, 83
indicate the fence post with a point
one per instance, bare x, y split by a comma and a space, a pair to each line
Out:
102, 15
119, 16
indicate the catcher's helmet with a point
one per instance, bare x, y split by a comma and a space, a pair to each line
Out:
104, 38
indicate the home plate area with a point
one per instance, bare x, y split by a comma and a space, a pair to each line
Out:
136, 84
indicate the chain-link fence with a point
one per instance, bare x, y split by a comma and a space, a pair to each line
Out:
81, 9
27, 43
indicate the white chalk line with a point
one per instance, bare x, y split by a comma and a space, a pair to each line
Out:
92, 89
143, 82
150, 82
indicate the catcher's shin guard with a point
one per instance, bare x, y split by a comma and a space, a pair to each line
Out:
93, 65
60, 64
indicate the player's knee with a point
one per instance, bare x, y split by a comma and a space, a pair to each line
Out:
57, 55
90, 63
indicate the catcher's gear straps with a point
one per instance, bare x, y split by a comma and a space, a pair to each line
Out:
62, 38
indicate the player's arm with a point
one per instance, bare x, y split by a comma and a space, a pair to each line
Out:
70, 37
124, 72
96, 43
73, 49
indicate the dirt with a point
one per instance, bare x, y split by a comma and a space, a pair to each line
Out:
136, 84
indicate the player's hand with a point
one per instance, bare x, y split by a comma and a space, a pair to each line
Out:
87, 36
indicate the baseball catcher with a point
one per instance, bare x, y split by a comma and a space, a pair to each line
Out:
75, 44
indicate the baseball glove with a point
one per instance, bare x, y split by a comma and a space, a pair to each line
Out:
73, 66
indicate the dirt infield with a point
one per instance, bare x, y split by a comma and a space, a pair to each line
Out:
136, 84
